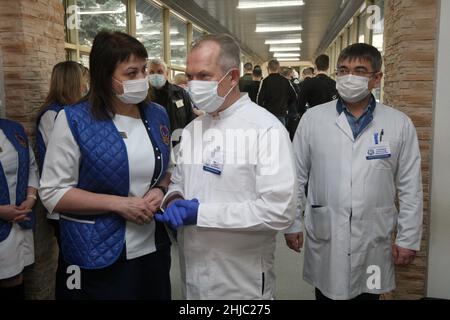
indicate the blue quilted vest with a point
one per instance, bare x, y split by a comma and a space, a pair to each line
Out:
96, 242
40, 145
18, 138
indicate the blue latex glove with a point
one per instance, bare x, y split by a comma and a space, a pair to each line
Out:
179, 213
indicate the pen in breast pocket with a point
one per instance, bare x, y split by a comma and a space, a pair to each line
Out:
381, 135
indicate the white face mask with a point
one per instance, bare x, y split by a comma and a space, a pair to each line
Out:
353, 88
157, 80
204, 94
134, 91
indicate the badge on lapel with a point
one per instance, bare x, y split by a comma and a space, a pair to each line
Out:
165, 134
22, 141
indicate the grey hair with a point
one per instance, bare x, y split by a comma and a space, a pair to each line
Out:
230, 52
158, 62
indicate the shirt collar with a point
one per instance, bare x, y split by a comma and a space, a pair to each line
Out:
234, 107
340, 106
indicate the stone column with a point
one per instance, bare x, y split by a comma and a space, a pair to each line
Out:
32, 42
410, 40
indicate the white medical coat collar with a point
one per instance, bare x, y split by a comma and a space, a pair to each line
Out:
243, 100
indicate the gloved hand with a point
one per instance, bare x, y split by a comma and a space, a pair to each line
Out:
180, 213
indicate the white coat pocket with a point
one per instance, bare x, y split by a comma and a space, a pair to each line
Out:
391, 162
318, 223
383, 224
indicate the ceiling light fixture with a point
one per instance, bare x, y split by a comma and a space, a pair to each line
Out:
269, 4
284, 41
286, 55
288, 59
273, 28
284, 49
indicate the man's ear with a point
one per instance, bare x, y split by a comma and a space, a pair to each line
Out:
235, 76
377, 79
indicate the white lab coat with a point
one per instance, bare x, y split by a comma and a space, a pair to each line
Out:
17, 250
350, 213
229, 254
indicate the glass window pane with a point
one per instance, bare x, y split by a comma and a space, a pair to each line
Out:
196, 34
99, 15
84, 59
149, 28
378, 28
361, 28
178, 45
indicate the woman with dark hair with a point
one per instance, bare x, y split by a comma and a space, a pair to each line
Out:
105, 172
18, 190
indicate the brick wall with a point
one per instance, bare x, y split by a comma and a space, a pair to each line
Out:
32, 42
410, 40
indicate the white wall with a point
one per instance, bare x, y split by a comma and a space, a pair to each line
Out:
439, 256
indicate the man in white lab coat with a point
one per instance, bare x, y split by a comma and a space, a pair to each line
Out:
357, 157
233, 186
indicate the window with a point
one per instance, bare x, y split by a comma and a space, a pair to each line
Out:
178, 41
361, 28
196, 34
149, 28
99, 15
378, 40
378, 27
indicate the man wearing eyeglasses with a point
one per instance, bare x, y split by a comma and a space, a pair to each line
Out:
358, 156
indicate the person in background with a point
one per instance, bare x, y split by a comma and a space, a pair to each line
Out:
172, 97
350, 212
18, 189
247, 78
68, 83
307, 73
181, 80
253, 88
276, 93
85, 76
320, 89
105, 172
294, 114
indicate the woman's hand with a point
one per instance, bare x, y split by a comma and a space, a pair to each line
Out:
13, 213
135, 210
27, 204
154, 198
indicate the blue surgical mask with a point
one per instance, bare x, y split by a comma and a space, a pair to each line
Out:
157, 80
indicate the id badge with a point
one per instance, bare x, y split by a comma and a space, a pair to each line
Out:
179, 103
379, 151
215, 163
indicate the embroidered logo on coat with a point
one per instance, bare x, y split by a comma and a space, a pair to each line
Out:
22, 141
165, 134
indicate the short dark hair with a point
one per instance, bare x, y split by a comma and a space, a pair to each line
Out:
362, 51
308, 71
257, 71
248, 66
322, 62
273, 65
108, 50
286, 71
